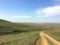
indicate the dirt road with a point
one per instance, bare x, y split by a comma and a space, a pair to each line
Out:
43, 39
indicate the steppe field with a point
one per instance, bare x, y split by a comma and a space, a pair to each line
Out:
29, 33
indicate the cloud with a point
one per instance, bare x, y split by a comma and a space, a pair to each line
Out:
21, 16
6, 17
14, 18
56, 0
48, 11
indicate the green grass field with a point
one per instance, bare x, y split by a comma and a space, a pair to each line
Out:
19, 39
55, 34
25, 33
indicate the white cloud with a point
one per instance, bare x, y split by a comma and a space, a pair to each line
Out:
5, 17
48, 11
21, 16
56, 0
14, 18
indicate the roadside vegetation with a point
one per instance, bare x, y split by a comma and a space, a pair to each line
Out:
24, 33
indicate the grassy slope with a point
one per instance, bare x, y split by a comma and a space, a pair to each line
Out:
22, 38
54, 34
7, 27
19, 39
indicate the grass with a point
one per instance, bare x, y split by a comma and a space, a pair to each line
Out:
7, 27
19, 39
55, 35
25, 34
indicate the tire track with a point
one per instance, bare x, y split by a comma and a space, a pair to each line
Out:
43, 38
54, 42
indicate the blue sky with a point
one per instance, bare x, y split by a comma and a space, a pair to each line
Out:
36, 11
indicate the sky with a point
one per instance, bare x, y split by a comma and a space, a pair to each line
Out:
32, 11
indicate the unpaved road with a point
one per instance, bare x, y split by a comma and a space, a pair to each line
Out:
43, 39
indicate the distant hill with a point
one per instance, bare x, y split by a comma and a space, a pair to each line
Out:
11, 24
7, 27
1, 20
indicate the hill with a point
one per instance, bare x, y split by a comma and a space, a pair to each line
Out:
7, 27
25, 33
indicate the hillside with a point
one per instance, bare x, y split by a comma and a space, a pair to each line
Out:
16, 33
7, 27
